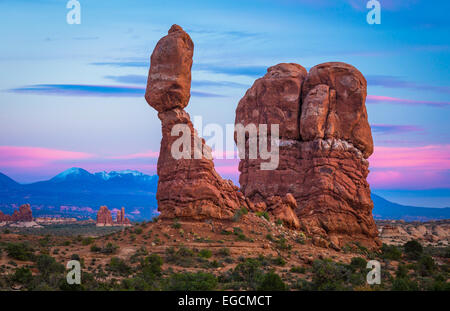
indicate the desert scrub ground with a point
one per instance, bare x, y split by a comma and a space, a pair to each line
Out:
248, 253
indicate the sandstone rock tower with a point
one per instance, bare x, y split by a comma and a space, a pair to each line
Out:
325, 140
186, 187
104, 218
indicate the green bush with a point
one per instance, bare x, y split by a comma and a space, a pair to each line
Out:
328, 275
224, 252
390, 252
404, 284
402, 271
119, 266
109, 249
426, 265
20, 251
22, 275
47, 265
205, 253
358, 263
263, 214
192, 281
298, 269
413, 249
95, 249
272, 281
87, 241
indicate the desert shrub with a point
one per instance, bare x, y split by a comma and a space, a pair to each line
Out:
404, 284
358, 263
328, 275
278, 261
272, 281
45, 241
137, 284
224, 252
402, 271
298, 269
183, 257
151, 266
47, 265
205, 253
138, 230
426, 265
95, 249
109, 249
22, 275
87, 241
191, 281
390, 252
176, 224
282, 244
119, 266
413, 249
248, 273
20, 251
263, 214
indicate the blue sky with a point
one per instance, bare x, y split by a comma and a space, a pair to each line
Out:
77, 90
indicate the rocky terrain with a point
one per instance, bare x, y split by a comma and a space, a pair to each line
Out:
397, 232
249, 252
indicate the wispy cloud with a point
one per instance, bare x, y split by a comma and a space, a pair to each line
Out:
394, 129
145, 64
396, 82
142, 80
92, 90
374, 99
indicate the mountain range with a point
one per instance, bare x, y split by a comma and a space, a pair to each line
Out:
79, 193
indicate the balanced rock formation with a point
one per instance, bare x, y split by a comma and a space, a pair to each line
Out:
24, 214
104, 218
325, 140
319, 184
188, 186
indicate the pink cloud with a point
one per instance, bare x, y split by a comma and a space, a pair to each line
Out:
375, 99
36, 156
410, 167
426, 157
